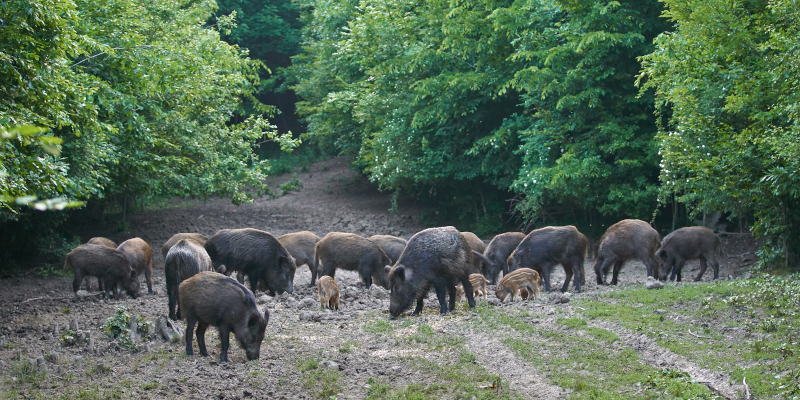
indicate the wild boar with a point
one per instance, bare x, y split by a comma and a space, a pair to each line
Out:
102, 242
185, 259
625, 240
477, 245
140, 257
258, 254
328, 292
688, 244
547, 247
478, 287
510, 284
199, 239
212, 299
108, 264
493, 259
436, 257
391, 245
301, 246
353, 253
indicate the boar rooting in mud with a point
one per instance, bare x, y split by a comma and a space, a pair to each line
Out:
140, 257
435, 257
521, 278
109, 265
212, 299
351, 252
301, 246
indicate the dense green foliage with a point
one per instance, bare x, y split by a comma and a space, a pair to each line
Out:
141, 94
535, 97
728, 81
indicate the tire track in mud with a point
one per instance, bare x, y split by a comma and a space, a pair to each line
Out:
657, 356
500, 360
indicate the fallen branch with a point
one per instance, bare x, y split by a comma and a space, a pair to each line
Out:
746, 389
580, 308
61, 298
698, 336
740, 255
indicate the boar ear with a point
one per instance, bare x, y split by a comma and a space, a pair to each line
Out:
253, 321
388, 269
400, 272
663, 254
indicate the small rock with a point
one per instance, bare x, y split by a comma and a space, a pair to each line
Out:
305, 316
167, 330
653, 283
78, 360
307, 303
660, 311
564, 299
396, 369
378, 292
550, 312
73, 325
134, 328
263, 299
55, 328
495, 302
40, 362
331, 365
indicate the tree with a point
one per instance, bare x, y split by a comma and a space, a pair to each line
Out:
727, 80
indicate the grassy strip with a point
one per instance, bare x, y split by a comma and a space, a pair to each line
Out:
761, 317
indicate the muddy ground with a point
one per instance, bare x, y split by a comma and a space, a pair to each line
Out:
310, 353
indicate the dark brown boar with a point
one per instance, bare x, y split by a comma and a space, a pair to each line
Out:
328, 292
391, 245
438, 257
351, 252
512, 282
102, 242
195, 237
477, 245
627, 239
213, 299
547, 247
493, 259
688, 244
141, 259
185, 259
301, 246
258, 254
110, 265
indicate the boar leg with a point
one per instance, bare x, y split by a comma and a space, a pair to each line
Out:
225, 341
703, 266
546, 276
149, 278
451, 292
240, 277
201, 337
190, 322
76, 283
568, 271
714, 266
367, 277
440, 295
418, 308
313, 269
469, 291
617, 268
99, 284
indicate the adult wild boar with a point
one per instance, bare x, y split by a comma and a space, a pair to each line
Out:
212, 299
108, 264
102, 242
185, 259
258, 254
199, 239
391, 245
493, 259
301, 246
351, 252
547, 247
477, 245
139, 255
688, 244
438, 257
625, 240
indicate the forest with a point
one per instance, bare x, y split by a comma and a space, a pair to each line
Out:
497, 114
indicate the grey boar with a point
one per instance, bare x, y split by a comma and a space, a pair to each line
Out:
185, 259
477, 245
353, 253
255, 253
391, 245
493, 259
511, 283
478, 287
437, 257
301, 246
108, 264
627, 239
688, 244
328, 292
102, 242
199, 239
547, 247
212, 299
140, 258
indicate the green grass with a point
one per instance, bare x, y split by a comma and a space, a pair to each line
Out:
766, 351
150, 385
320, 382
26, 372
